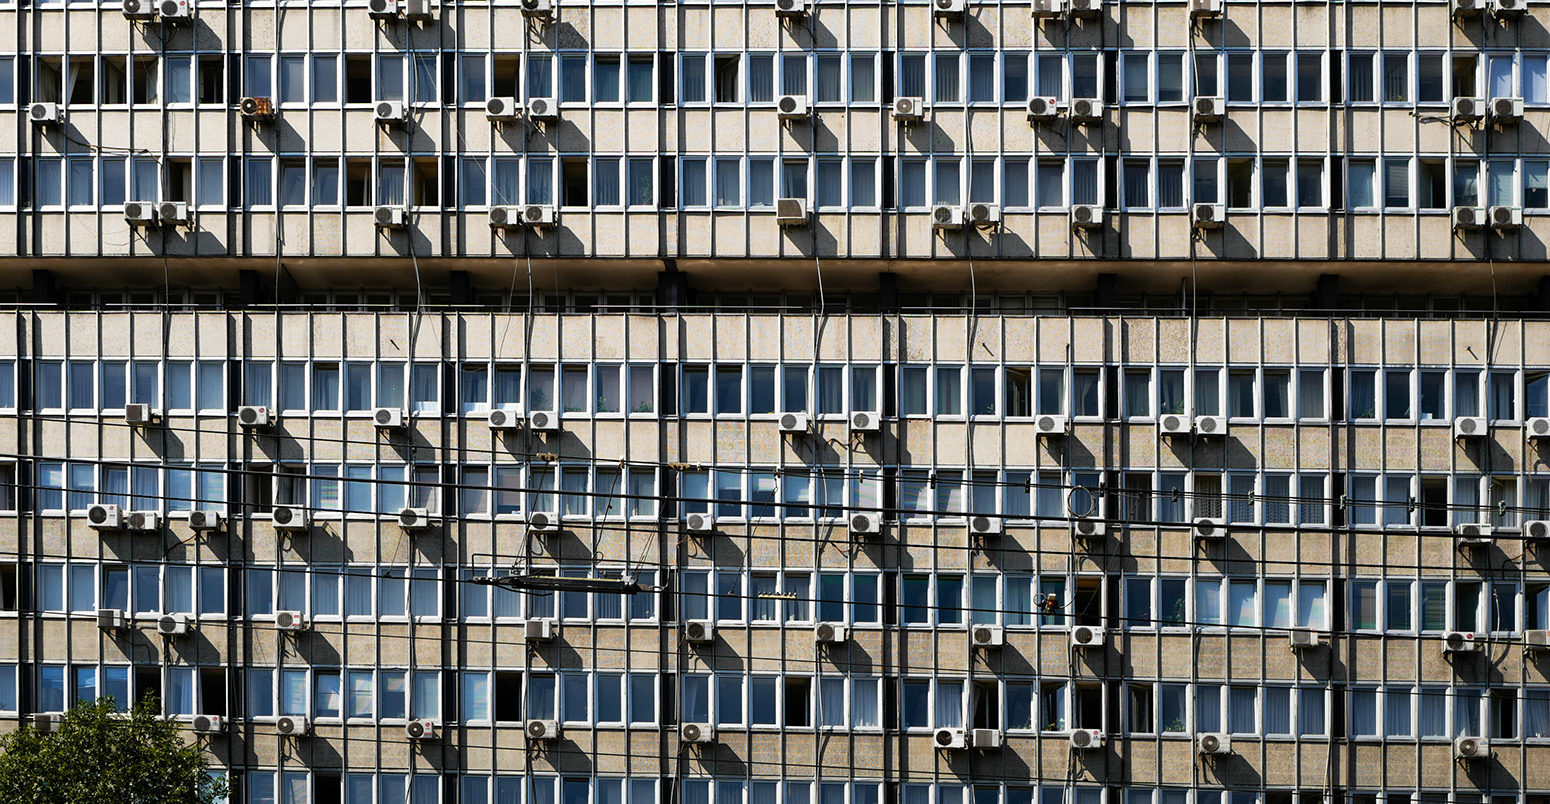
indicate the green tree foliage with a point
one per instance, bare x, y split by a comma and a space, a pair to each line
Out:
101, 756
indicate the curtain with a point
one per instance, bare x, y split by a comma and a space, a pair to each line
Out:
728, 182
1534, 80
830, 180
605, 177
1364, 713
793, 74
1434, 710
864, 705
1208, 708
1050, 76
1019, 600
1502, 175
1310, 712
605, 80
949, 704
863, 77
1536, 713
1278, 711
912, 76
831, 87
1396, 713
1466, 713
640, 182
1138, 177
831, 702
1242, 703
761, 182
8, 182
761, 78
1359, 180
1278, 604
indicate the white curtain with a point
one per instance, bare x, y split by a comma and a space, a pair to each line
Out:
1396, 713
1208, 707
605, 176
761, 78
1278, 711
1364, 713
1019, 600
831, 702
949, 704
865, 710
1536, 713
1242, 703
1310, 712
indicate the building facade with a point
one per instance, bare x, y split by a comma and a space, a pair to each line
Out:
1079, 403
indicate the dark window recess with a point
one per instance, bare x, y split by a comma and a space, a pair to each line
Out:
799, 701
986, 703
573, 182
508, 696
667, 84
1337, 393
668, 402
233, 83
327, 788
1111, 76
888, 88
449, 189
667, 182
1337, 183
890, 199
890, 389
1336, 75
449, 93
147, 682
357, 79
669, 699
9, 597
1089, 605
1111, 187
212, 691
211, 79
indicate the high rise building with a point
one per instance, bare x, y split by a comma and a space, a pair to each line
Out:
1089, 402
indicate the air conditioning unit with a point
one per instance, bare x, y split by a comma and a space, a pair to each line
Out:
697, 733
1043, 109
539, 216
104, 517
1086, 8
945, 8
140, 213
542, 522
1537, 427
865, 421
1466, 110
538, 629
172, 212
293, 725
1506, 110
503, 419
138, 9
1086, 216
505, 217
946, 216
421, 730
909, 110
699, 523
792, 107
791, 8
174, 10
1050, 424
1205, 8
542, 108
1209, 426
543, 9
143, 521
866, 523
138, 414
982, 525
1174, 424
1208, 108
701, 631
1536, 640
1208, 216
1086, 739
830, 633
389, 217
388, 418
950, 739
1086, 636
1085, 110
795, 423
987, 636
47, 724
1213, 743
290, 621
502, 108
984, 215
173, 624
1536, 529
392, 112
1471, 748
382, 9
416, 519
204, 520
1304, 639
1210, 527
44, 113
542, 730
1468, 8
1472, 533
1049, 8
1503, 8
1088, 528
1469, 427
289, 518
791, 211
985, 739
419, 10
256, 109
1469, 217
1459, 642
209, 724
112, 619
543, 421
1504, 217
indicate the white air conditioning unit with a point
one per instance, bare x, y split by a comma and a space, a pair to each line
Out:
419, 9
1213, 743
1086, 216
204, 520
290, 621
209, 724
1085, 8
791, 211
830, 633
143, 521
293, 725
1208, 108
505, 217
1087, 636
1459, 642
1043, 109
1304, 639
543, 9
139, 414
909, 110
538, 629
1205, 8
1086, 739
985, 739
1505, 217
173, 624
1049, 8
1050, 424
1472, 533
1208, 216
1210, 426
392, 112
542, 108
1471, 748
289, 518
104, 517
1088, 528
792, 107
140, 213
1210, 527
699, 523
1175, 424
946, 216
700, 631
1468, 8
950, 739
543, 421
1469, 427
256, 108
866, 523
249, 416
1466, 110
987, 636
388, 418
795, 423
112, 619
697, 733
542, 522
1537, 427
1536, 640
382, 9
791, 8
865, 421
389, 217
174, 10
539, 216
1469, 217
43, 113
983, 214
1504, 8
982, 525
1506, 110
416, 519
948, 8
503, 419
1536, 529
421, 730
502, 108
542, 730
1085, 110
138, 9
